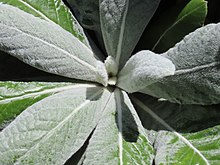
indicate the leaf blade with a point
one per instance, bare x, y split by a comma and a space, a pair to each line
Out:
17, 96
55, 51
122, 134
52, 11
181, 148
196, 59
118, 21
49, 128
142, 69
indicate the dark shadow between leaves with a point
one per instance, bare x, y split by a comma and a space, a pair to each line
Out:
182, 118
91, 91
12, 69
78, 157
130, 131
218, 58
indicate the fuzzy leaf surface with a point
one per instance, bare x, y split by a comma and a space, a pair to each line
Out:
119, 137
52, 11
143, 69
197, 61
17, 96
60, 124
120, 27
47, 46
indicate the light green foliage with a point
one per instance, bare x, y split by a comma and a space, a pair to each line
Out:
94, 121
51, 10
17, 96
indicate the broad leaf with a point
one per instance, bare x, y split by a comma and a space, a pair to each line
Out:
17, 96
190, 18
177, 148
119, 137
191, 148
54, 50
122, 23
61, 122
143, 69
197, 61
52, 11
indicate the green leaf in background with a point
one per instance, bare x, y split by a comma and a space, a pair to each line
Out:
61, 122
143, 69
119, 137
47, 47
52, 11
122, 23
197, 61
173, 147
87, 12
173, 26
17, 96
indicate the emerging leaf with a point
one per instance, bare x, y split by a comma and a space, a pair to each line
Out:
143, 69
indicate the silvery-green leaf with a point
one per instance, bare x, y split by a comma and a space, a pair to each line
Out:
143, 69
52, 130
197, 61
119, 137
190, 148
17, 96
122, 23
47, 46
52, 11
173, 147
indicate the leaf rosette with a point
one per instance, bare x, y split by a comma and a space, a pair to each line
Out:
97, 116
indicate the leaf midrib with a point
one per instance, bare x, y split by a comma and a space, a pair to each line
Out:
120, 126
53, 90
37, 11
47, 135
197, 68
121, 35
58, 48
